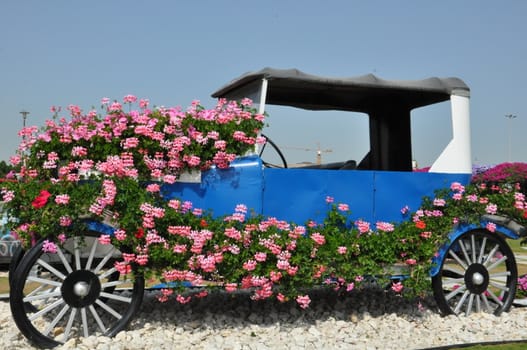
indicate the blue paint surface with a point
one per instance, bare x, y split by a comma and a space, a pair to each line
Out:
298, 195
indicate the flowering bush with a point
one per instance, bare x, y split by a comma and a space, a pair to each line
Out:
102, 168
502, 173
115, 151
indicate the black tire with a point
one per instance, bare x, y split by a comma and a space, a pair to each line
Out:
17, 256
56, 297
478, 273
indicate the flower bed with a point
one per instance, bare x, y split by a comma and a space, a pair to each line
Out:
103, 168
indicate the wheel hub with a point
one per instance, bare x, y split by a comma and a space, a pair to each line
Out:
477, 278
81, 288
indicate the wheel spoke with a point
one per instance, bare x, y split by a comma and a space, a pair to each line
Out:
56, 319
92, 254
464, 250
44, 281
64, 261
455, 272
104, 261
107, 273
51, 269
494, 297
84, 319
473, 248
461, 302
70, 323
469, 306
455, 292
497, 262
46, 309
458, 259
486, 302
77, 252
47, 295
499, 286
116, 297
95, 315
482, 250
113, 283
478, 303
500, 274
491, 254
109, 309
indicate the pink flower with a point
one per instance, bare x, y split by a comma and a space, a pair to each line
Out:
384, 226
292, 270
342, 250
153, 188
350, 287
329, 199
143, 103
491, 208
491, 227
49, 247
275, 276
129, 99
363, 226
282, 264
182, 300
61, 237
281, 298
457, 196
122, 267
343, 207
439, 202
359, 279
65, 221
120, 234
260, 256
142, 259
62, 199
7, 196
318, 238
425, 234
105, 239
130, 142
397, 287
231, 287
457, 187
410, 262
249, 265
303, 301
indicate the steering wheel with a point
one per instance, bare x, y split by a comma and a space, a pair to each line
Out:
277, 150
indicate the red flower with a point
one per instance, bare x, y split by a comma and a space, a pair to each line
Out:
525, 214
41, 200
139, 233
203, 223
420, 225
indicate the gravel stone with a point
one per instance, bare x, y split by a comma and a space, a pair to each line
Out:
370, 319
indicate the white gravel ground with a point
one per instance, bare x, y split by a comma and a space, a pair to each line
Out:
365, 320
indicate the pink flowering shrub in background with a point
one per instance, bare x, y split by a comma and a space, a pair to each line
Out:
502, 173
102, 166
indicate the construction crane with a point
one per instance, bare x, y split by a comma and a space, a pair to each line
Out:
318, 150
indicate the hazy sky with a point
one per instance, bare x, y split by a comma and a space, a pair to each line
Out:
172, 52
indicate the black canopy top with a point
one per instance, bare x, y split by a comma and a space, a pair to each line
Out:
291, 87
